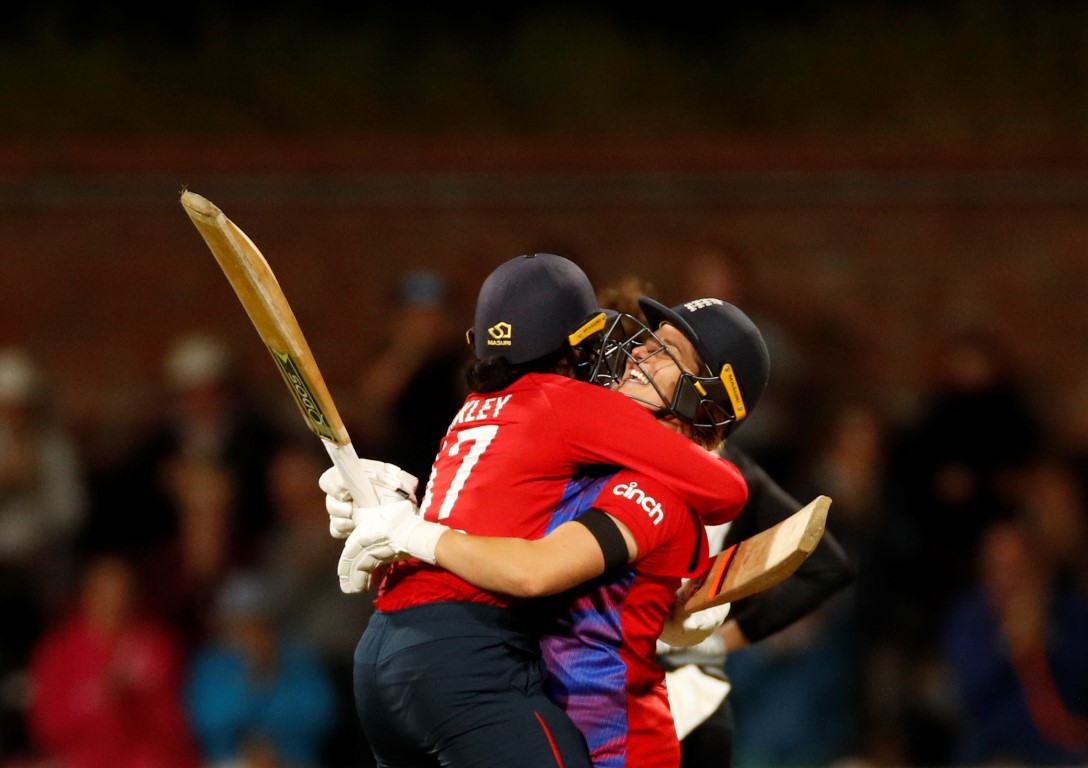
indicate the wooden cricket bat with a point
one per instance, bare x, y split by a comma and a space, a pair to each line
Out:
266, 305
763, 560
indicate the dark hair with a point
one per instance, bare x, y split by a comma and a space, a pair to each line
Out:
494, 373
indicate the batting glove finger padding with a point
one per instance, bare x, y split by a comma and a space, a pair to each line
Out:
332, 483
341, 517
359, 563
684, 629
361, 574
340, 528
383, 534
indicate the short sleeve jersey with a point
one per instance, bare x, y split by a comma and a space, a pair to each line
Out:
505, 464
599, 641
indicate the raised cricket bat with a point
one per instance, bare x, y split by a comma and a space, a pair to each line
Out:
763, 560
266, 305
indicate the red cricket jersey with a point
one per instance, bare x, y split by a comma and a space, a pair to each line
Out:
507, 460
601, 642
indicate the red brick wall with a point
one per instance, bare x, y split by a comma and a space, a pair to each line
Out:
864, 265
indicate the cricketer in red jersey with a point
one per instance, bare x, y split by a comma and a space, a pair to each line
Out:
599, 638
505, 464
449, 674
600, 644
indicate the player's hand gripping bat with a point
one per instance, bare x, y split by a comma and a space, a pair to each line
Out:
762, 560
264, 302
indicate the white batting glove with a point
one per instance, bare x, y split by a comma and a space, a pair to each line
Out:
383, 534
389, 481
365, 573
683, 629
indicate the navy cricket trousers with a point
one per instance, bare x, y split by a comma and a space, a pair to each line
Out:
459, 685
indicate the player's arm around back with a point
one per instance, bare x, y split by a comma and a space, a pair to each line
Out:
604, 427
566, 557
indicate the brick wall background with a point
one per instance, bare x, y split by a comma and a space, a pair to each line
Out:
864, 260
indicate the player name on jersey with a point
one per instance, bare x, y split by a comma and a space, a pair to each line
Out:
481, 409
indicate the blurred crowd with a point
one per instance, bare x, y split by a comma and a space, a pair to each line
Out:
177, 606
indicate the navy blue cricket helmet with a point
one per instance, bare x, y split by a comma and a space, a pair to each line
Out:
533, 305
733, 351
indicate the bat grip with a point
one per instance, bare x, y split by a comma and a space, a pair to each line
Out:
347, 461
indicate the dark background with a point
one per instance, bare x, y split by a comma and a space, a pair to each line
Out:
883, 175
886, 170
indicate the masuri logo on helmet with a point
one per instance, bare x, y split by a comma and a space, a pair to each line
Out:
500, 334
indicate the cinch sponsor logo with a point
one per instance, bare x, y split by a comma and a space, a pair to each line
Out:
500, 334
648, 503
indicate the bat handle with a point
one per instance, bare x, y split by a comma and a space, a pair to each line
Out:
346, 460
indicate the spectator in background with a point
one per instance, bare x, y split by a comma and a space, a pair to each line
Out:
299, 563
255, 692
848, 442
792, 694
197, 480
1067, 423
413, 383
976, 429
954, 467
299, 560
1052, 501
43, 502
1016, 645
105, 682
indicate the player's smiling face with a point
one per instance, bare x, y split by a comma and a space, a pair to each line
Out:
654, 368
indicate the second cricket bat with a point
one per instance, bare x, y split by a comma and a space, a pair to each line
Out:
762, 560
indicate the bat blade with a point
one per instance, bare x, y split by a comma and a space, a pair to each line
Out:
763, 560
263, 299
256, 286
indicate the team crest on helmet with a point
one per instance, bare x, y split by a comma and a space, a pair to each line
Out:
500, 334
697, 304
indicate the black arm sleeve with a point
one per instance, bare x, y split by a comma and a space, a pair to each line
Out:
826, 571
607, 534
